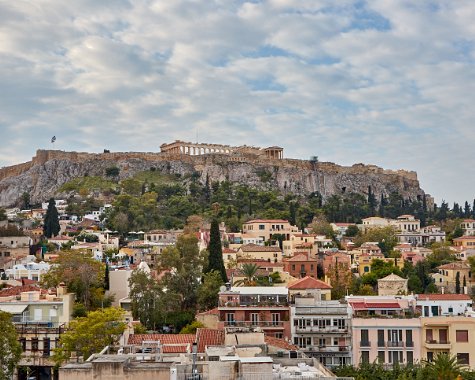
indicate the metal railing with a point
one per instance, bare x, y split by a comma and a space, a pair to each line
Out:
321, 329
254, 324
257, 376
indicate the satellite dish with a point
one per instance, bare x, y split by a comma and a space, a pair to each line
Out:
222, 288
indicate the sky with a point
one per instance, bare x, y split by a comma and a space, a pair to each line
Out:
383, 82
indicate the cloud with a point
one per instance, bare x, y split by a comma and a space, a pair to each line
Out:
389, 83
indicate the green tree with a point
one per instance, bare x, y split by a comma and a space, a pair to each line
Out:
191, 328
209, 289
215, 252
385, 236
82, 275
352, 230
51, 225
320, 226
147, 300
10, 349
443, 367
90, 334
183, 265
25, 199
457, 283
106, 277
249, 271
112, 171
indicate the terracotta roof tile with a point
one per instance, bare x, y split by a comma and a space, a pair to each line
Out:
361, 305
180, 343
209, 337
258, 248
16, 290
267, 221
454, 265
308, 283
280, 343
300, 257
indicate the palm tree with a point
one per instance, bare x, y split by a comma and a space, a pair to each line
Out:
444, 367
249, 272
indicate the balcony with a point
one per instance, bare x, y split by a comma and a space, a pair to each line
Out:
262, 324
328, 348
321, 330
391, 344
437, 344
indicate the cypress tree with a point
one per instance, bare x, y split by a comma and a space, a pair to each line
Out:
457, 283
51, 222
106, 277
215, 258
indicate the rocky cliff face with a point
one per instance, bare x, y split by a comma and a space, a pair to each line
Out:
48, 170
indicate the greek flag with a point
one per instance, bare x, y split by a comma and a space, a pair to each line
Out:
53, 139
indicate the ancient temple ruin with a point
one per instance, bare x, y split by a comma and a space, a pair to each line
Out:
198, 149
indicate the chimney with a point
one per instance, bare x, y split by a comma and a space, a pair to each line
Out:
61, 289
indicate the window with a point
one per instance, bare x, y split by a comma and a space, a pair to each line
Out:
429, 337
293, 266
426, 309
34, 344
261, 227
46, 346
254, 318
463, 358
381, 339
409, 342
395, 357
279, 335
451, 309
38, 314
461, 335
381, 355
275, 319
364, 338
410, 357
230, 319
365, 357
435, 311
430, 356
23, 344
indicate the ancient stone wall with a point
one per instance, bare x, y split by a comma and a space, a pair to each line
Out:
49, 169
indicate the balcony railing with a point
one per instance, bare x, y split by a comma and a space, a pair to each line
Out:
279, 324
433, 342
262, 304
394, 344
316, 329
365, 343
328, 348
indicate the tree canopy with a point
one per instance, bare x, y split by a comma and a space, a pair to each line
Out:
88, 335
10, 349
51, 225
215, 252
82, 275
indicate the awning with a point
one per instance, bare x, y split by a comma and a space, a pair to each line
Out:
13, 309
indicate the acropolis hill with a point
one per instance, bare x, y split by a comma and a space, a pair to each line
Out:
260, 167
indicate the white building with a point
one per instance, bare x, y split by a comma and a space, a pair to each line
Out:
31, 271
322, 329
434, 305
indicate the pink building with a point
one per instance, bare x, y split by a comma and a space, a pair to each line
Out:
385, 330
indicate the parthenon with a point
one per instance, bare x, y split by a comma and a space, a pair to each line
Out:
198, 149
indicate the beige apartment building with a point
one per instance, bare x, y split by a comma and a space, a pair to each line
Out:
265, 228
452, 335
